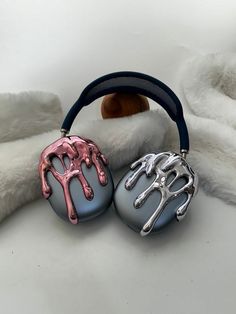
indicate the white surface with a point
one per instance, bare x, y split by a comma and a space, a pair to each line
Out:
47, 266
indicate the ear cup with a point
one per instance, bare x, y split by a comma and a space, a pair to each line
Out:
85, 209
76, 179
156, 191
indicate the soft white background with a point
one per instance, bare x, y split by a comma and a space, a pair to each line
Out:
47, 266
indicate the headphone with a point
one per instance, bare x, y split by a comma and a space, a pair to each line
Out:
157, 189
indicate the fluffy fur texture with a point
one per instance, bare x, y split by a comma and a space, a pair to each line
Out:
19, 181
212, 155
209, 87
28, 113
122, 140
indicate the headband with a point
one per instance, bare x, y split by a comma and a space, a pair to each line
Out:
134, 83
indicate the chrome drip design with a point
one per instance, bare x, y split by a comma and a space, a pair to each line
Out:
163, 166
78, 150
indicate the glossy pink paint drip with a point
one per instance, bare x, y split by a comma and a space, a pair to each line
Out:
78, 150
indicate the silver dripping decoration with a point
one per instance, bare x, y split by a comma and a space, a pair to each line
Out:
162, 165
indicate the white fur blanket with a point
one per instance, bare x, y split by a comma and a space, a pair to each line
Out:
209, 88
28, 113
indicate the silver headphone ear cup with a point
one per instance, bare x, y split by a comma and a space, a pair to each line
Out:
155, 191
76, 179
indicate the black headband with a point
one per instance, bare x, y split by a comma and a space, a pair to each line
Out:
136, 83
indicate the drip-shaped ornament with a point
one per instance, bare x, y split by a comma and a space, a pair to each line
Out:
75, 178
155, 191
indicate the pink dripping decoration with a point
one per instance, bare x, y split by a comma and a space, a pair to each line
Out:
78, 150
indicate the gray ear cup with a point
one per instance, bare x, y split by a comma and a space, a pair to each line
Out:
76, 179
155, 191
85, 209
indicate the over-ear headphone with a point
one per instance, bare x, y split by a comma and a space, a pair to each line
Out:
158, 187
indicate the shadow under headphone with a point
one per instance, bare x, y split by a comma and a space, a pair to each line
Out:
156, 190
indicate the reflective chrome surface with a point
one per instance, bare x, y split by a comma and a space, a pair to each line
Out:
78, 151
165, 169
